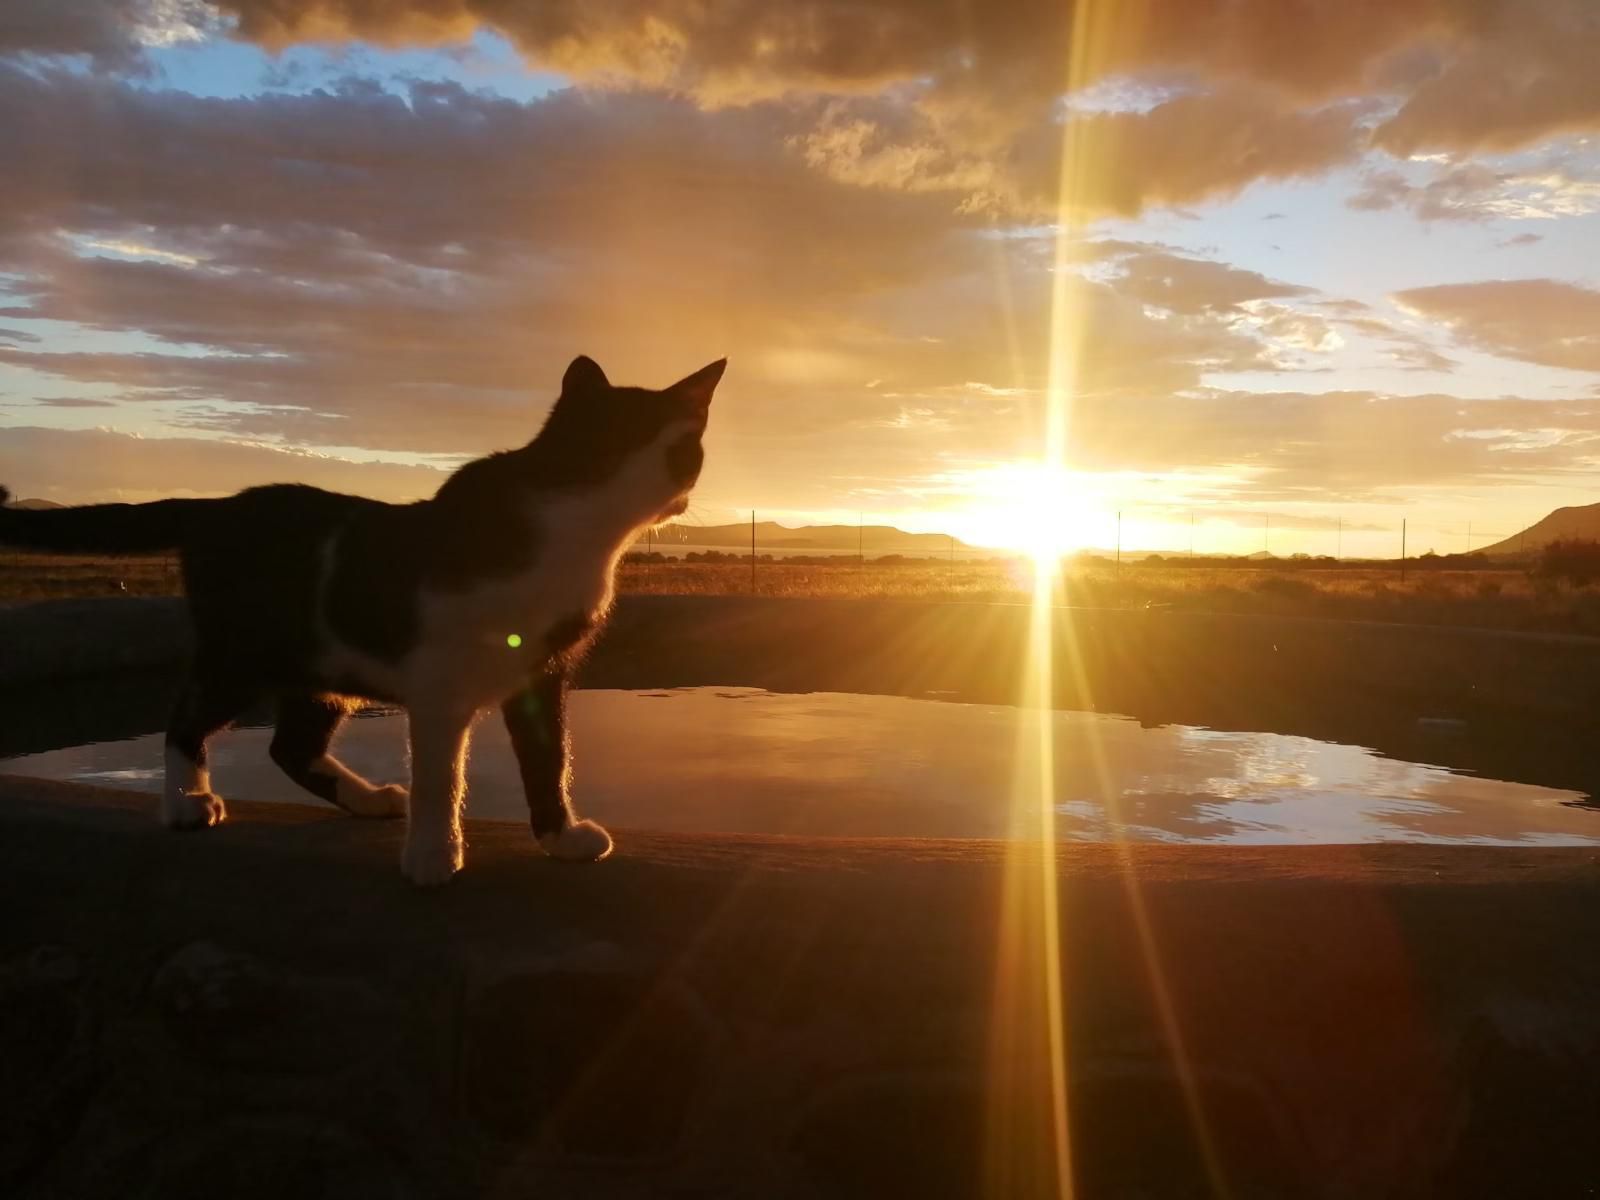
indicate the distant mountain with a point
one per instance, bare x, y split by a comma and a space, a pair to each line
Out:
35, 504
1581, 523
770, 537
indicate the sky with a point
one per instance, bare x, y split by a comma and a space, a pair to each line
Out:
1254, 274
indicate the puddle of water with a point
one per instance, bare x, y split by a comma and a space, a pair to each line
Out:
749, 761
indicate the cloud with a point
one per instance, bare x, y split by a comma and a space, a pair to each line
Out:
835, 194
88, 466
1346, 443
71, 402
942, 100
380, 257
112, 32
103, 29
342, 268
1250, 89
1185, 284
1479, 192
1535, 320
1260, 447
1469, 73
1407, 349
1515, 74
1198, 147
1195, 147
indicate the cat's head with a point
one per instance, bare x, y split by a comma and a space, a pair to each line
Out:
643, 443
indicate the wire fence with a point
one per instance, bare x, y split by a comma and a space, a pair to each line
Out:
1136, 537
1131, 535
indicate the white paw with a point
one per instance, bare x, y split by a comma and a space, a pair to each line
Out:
583, 841
387, 801
192, 810
427, 863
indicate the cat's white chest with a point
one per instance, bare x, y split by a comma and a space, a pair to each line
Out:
481, 640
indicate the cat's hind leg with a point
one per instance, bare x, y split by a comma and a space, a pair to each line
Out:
305, 729
202, 708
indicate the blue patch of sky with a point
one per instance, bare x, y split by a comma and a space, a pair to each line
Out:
62, 337
224, 68
22, 390
1304, 232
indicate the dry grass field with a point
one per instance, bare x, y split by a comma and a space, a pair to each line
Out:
1504, 599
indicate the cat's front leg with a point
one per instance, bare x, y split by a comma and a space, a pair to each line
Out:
536, 719
434, 847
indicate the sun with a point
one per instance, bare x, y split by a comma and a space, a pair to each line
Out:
1041, 509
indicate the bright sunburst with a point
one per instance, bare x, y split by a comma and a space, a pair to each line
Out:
1038, 507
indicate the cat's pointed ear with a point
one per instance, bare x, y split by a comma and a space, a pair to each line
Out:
584, 375
699, 386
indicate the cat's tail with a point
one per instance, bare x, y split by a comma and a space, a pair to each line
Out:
99, 528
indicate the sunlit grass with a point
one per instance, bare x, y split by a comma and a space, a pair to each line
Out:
1501, 599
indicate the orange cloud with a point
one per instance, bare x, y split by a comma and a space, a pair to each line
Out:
1469, 73
1536, 320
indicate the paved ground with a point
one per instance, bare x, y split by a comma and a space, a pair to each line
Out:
267, 1009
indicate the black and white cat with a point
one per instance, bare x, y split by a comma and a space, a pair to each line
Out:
483, 595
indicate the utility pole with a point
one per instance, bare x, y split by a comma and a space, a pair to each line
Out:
1469, 537
1338, 546
1402, 549
1119, 541
1191, 533
752, 552
1266, 537
860, 558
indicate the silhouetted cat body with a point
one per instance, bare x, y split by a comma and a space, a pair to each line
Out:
485, 594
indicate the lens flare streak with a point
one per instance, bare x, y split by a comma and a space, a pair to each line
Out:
1030, 995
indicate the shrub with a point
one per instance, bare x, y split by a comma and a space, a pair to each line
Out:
1283, 585
1570, 560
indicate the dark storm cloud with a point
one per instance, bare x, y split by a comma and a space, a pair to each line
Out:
104, 29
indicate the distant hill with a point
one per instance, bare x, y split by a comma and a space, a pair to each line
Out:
770, 536
35, 504
1581, 522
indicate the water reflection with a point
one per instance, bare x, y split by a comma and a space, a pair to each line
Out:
746, 760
